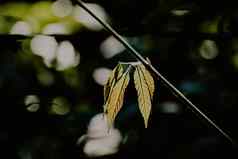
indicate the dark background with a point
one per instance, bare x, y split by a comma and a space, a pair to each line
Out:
174, 42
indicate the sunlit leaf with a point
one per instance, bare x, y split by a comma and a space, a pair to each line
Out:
148, 79
116, 97
144, 85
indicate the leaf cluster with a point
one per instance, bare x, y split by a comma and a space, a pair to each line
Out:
114, 90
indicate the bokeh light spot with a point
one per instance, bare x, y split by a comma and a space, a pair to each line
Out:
111, 47
60, 106
66, 56
180, 12
101, 75
45, 47
208, 49
55, 28
100, 139
32, 102
21, 28
81, 16
62, 8
169, 107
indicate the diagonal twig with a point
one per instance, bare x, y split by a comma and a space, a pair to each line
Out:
174, 90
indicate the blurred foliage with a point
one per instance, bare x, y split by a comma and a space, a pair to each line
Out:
37, 14
192, 43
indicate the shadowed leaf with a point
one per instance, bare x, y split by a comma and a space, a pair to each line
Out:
115, 99
113, 78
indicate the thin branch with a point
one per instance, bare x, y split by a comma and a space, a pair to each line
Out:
174, 90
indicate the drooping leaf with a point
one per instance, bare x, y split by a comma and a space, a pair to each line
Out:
148, 79
113, 78
144, 85
116, 97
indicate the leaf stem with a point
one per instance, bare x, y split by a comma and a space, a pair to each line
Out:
130, 63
